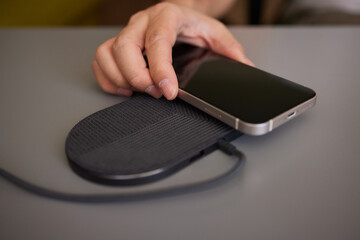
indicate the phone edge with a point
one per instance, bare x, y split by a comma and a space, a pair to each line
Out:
246, 127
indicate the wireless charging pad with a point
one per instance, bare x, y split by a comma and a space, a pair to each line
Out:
142, 140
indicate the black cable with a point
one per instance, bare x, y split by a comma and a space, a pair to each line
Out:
127, 197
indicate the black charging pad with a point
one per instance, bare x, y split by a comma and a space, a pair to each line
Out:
141, 140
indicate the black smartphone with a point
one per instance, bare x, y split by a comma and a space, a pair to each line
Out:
248, 99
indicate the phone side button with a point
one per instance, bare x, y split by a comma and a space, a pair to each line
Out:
228, 119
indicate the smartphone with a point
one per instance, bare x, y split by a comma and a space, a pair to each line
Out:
248, 99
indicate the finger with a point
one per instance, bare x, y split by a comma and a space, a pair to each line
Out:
127, 50
106, 61
223, 42
159, 40
105, 84
209, 32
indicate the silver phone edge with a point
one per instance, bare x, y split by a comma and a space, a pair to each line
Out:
245, 127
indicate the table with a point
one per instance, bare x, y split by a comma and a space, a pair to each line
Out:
299, 182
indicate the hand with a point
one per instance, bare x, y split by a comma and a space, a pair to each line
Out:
119, 65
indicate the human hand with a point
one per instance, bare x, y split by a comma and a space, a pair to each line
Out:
119, 65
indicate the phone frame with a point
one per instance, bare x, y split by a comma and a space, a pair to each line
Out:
254, 129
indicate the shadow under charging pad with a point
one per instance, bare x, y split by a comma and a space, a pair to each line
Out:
141, 140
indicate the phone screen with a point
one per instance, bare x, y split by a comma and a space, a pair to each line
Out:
250, 94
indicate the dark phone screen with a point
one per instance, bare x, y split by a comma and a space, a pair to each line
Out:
247, 93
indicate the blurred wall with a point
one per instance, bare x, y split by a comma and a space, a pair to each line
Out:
48, 13
23, 13
102, 12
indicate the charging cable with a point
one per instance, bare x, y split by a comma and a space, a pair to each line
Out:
223, 145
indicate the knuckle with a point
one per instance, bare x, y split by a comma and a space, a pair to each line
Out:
219, 25
124, 39
159, 71
155, 36
169, 7
162, 71
163, 5
120, 42
135, 17
100, 51
216, 25
135, 81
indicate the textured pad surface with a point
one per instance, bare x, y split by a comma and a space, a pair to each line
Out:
140, 135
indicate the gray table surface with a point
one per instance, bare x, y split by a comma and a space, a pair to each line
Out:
299, 182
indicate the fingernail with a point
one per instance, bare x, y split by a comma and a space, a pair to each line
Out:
150, 89
167, 88
124, 92
153, 91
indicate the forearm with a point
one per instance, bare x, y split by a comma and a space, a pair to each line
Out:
213, 8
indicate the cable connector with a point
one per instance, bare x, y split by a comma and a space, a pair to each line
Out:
226, 147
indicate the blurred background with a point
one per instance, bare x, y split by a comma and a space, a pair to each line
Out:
45, 13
